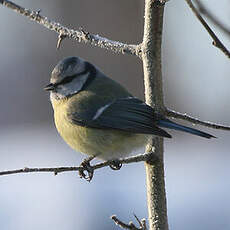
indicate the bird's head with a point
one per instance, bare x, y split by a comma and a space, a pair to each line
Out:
69, 77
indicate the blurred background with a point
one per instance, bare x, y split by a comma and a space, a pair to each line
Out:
196, 81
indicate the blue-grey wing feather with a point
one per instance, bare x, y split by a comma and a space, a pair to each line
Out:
126, 114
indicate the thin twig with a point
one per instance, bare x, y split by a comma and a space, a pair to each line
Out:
216, 42
141, 222
212, 18
61, 37
171, 113
130, 225
78, 35
56, 170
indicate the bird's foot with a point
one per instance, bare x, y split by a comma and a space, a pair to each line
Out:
116, 165
85, 164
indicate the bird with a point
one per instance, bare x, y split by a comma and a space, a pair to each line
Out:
97, 116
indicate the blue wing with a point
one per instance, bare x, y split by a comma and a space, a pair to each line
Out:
125, 114
131, 115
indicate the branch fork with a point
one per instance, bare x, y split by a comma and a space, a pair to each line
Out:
130, 225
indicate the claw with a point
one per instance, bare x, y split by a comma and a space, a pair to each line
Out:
115, 165
88, 168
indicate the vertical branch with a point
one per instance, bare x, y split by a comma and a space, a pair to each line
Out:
151, 55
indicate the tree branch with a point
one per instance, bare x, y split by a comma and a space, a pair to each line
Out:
130, 225
216, 42
151, 56
212, 18
56, 170
78, 35
171, 113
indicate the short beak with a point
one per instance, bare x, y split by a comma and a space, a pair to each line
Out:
49, 87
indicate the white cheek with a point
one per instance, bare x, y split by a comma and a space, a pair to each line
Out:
52, 96
56, 96
70, 88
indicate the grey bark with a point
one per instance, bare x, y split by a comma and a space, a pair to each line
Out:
151, 56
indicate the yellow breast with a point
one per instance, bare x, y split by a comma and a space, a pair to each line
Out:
72, 134
106, 144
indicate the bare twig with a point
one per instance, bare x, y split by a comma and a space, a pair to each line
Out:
212, 18
78, 35
130, 225
171, 113
216, 42
61, 37
56, 170
141, 222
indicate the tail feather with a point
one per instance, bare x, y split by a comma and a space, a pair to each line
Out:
172, 125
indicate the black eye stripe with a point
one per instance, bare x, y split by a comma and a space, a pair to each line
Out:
89, 69
68, 79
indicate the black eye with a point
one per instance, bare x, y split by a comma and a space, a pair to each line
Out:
66, 80
89, 69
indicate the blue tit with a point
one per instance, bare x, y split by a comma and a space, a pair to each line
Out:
97, 116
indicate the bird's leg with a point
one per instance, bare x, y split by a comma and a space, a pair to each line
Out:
85, 164
115, 165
